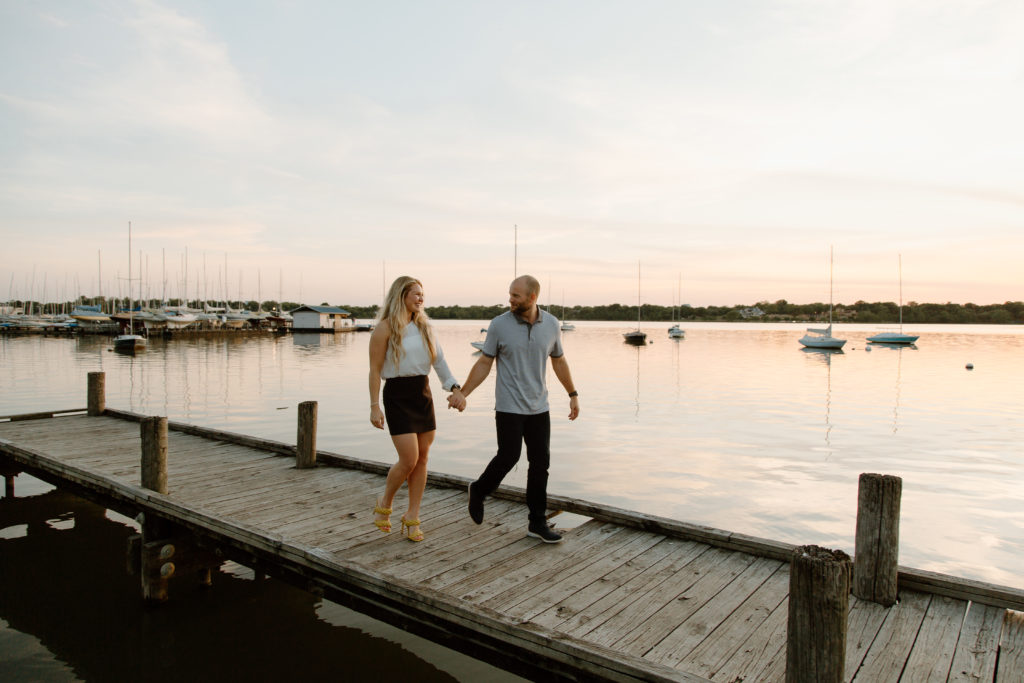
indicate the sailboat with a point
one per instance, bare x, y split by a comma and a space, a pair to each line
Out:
130, 343
566, 325
895, 337
818, 337
636, 337
676, 332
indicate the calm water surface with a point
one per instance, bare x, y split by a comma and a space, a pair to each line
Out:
735, 427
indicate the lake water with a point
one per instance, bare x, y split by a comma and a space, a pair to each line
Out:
735, 426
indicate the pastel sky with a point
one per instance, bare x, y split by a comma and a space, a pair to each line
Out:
314, 148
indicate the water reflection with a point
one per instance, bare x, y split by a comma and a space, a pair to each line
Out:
825, 356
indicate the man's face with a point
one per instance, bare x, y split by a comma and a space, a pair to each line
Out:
518, 300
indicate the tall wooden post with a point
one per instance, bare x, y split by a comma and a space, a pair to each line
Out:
97, 393
876, 558
305, 442
154, 453
819, 605
155, 570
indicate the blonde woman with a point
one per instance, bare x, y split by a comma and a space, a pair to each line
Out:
402, 351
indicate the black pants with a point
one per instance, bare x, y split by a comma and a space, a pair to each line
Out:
514, 429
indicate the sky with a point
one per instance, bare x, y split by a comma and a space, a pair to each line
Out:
713, 152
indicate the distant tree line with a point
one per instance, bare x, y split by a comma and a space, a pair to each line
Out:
1010, 312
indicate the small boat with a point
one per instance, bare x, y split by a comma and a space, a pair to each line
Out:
895, 337
676, 332
566, 325
637, 337
821, 337
85, 313
129, 342
364, 327
478, 345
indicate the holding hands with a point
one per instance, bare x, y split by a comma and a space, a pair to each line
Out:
457, 400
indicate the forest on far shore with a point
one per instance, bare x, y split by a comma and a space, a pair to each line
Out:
780, 311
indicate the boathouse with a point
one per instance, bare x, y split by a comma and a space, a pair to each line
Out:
321, 319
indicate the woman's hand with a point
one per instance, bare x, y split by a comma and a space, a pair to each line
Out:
377, 417
457, 400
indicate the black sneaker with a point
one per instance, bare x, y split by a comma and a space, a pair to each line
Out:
544, 533
476, 505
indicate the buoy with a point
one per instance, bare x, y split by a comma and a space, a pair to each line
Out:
867, 348
970, 366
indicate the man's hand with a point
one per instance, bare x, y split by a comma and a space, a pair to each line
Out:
457, 400
574, 407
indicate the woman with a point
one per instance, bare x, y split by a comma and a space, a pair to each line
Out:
402, 351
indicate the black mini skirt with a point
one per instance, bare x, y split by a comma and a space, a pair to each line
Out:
408, 405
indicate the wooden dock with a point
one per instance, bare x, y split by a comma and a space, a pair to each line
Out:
625, 597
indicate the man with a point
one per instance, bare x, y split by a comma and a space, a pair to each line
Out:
521, 340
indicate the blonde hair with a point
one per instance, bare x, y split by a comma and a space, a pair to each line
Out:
393, 312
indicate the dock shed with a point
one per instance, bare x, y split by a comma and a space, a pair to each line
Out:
321, 319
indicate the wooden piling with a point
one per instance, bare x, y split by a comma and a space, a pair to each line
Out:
154, 453
97, 402
305, 442
819, 605
876, 558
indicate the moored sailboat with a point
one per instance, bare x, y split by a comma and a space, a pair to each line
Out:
895, 337
637, 337
821, 337
130, 342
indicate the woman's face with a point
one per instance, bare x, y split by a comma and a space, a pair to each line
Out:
414, 299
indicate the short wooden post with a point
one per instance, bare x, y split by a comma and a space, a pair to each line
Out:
305, 443
876, 556
97, 393
154, 453
819, 604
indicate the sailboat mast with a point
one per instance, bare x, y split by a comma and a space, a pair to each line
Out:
131, 320
830, 262
638, 295
900, 270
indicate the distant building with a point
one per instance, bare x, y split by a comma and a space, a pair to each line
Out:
752, 312
321, 319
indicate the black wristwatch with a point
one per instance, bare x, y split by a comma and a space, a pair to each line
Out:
573, 394
455, 386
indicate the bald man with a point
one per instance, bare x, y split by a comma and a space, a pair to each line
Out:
521, 341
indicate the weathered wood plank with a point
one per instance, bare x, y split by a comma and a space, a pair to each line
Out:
724, 640
532, 560
580, 619
1011, 649
643, 624
590, 579
572, 572
866, 619
697, 627
761, 652
977, 649
887, 656
933, 650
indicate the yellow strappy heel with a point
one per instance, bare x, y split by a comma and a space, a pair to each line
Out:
382, 524
407, 525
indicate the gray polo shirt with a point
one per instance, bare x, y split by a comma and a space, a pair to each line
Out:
521, 351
